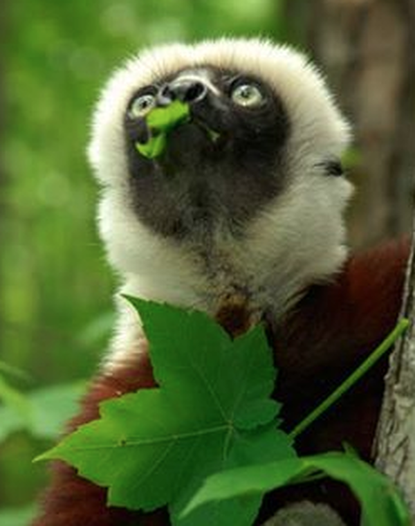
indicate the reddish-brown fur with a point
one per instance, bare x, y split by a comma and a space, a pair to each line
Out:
329, 333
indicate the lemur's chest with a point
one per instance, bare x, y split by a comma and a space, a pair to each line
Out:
238, 287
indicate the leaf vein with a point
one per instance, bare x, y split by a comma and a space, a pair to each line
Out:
153, 441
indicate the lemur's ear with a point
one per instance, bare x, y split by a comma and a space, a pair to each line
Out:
334, 167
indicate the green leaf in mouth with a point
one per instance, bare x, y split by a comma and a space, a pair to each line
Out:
161, 121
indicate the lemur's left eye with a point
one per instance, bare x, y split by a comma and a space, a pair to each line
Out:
248, 95
141, 105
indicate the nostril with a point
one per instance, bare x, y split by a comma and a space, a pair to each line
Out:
195, 91
166, 95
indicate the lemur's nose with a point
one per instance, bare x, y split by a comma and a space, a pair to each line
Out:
184, 90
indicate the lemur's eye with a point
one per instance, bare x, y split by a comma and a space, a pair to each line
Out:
141, 105
247, 95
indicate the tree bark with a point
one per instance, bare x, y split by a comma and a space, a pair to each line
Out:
395, 443
366, 49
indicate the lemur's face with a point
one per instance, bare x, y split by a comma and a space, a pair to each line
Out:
221, 166
253, 176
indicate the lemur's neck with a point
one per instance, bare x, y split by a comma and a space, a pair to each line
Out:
212, 276
230, 281
266, 266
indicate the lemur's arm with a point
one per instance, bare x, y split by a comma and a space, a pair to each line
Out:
305, 514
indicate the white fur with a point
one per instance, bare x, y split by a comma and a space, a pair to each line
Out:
297, 240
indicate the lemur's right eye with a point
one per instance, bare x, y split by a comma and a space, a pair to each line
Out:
141, 105
247, 95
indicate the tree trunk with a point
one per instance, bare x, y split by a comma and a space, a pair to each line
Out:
395, 444
366, 49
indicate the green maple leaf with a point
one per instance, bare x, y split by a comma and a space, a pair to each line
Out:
211, 412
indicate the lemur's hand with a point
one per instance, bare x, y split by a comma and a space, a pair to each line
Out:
305, 513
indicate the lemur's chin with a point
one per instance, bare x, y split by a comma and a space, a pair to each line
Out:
192, 141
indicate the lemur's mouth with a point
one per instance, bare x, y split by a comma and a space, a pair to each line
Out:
163, 121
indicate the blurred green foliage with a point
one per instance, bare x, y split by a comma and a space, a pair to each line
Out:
55, 287
17, 517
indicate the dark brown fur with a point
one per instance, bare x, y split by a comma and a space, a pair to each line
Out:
329, 333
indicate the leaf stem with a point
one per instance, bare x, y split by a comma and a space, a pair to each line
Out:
363, 368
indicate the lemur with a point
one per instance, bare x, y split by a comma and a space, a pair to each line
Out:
248, 228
